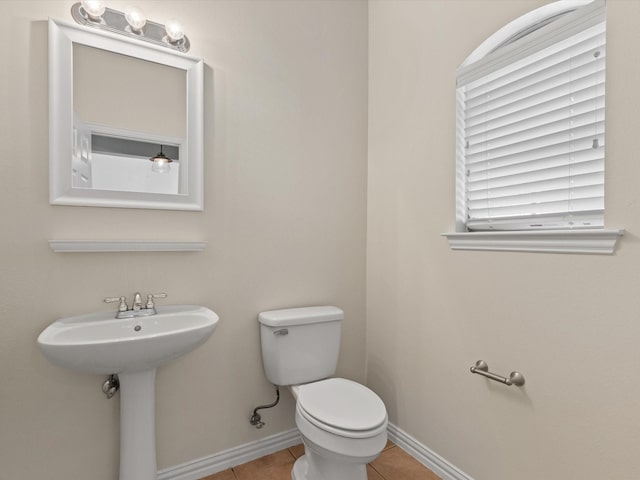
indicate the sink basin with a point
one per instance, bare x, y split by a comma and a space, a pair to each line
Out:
101, 344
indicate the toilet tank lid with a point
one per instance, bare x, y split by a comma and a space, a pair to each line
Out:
300, 316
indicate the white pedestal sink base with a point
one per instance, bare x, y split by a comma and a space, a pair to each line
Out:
101, 344
137, 425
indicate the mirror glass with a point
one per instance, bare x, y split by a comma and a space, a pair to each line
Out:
126, 110
125, 122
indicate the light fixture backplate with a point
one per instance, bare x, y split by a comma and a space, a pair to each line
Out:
114, 21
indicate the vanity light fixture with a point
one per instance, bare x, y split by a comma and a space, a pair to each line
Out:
131, 23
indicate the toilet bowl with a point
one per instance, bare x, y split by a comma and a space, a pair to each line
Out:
343, 424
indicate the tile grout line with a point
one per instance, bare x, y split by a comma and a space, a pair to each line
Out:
380, 474
382, 453
386, 449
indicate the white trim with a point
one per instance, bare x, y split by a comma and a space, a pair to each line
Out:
429, 458
218, 462
519, 24
485, 58
547, 241
86, 246
226, 459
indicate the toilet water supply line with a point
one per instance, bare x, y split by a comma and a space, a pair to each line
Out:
256, 419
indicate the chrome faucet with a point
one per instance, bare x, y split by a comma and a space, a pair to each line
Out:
138, 308
137, 302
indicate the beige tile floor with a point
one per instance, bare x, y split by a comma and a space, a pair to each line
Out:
392, 464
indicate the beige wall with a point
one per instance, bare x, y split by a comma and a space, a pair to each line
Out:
569, 323
285, 195
286, 182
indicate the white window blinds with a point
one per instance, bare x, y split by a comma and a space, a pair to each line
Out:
530, 129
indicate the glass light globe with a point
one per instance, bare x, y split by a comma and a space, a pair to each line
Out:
174, 30
94, 8
135, 18
161, 166
160, 162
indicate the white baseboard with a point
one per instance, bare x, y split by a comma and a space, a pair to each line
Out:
232, 457
202, 467
424, 455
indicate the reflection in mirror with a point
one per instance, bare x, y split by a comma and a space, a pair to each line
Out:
134, 122
129, 93
108, 162
122, 107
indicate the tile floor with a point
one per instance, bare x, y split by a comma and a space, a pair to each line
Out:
392, 464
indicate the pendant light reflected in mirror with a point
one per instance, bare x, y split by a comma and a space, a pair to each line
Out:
161, 163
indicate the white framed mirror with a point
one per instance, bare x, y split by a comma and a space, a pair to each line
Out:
114, 104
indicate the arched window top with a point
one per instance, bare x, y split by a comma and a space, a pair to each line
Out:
530, 31
523, 26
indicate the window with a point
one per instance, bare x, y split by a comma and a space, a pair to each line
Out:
530, 124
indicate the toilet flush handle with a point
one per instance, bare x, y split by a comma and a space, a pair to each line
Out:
281, 332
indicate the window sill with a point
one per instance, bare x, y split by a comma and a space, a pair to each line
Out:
548, 241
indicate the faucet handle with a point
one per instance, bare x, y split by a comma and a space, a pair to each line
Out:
151, 296
123, 303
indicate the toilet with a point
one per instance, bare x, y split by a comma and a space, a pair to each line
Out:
343, 424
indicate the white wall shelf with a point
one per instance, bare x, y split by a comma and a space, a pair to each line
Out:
91, 246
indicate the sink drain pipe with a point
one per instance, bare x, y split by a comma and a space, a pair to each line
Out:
111, 385
256, 419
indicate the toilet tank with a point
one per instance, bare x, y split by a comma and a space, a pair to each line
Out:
300, 345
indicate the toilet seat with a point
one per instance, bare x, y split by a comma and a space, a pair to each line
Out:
342, 407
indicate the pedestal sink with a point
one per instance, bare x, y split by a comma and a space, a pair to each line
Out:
132, 348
